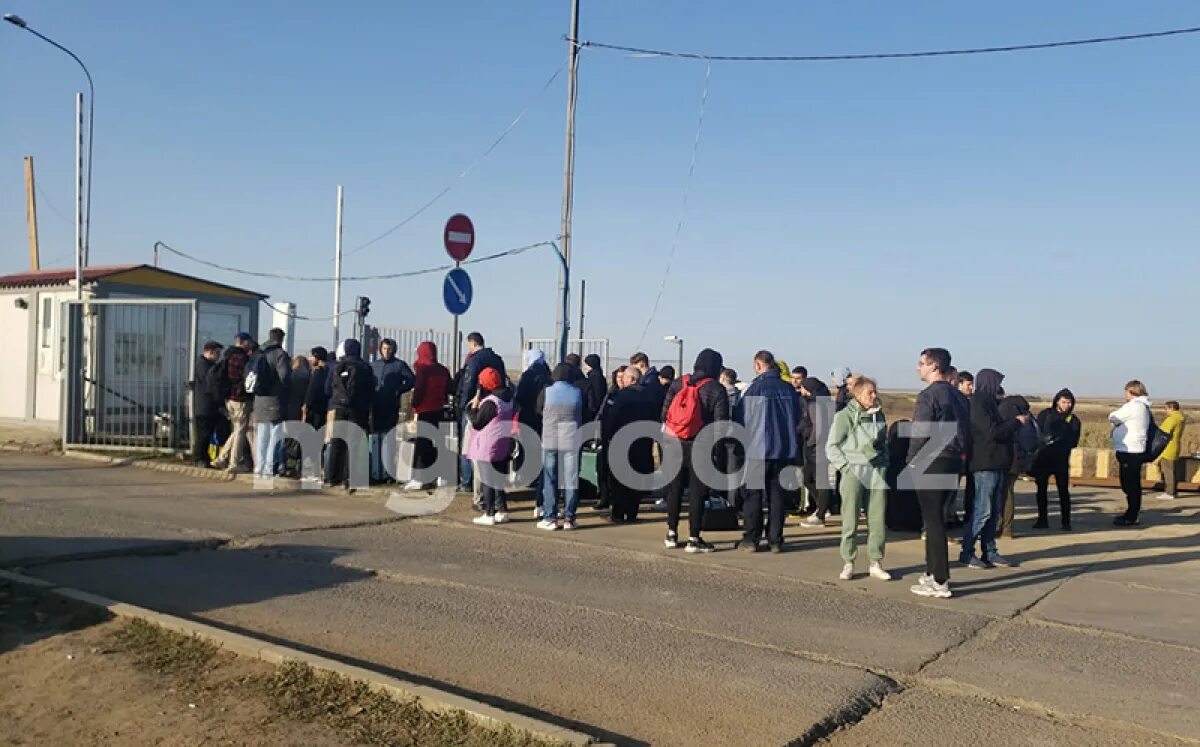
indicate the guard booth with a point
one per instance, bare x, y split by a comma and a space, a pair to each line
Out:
112, 370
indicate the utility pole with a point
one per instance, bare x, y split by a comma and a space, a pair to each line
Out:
31, 215
562, 322
79, 259
582, 299
337, 273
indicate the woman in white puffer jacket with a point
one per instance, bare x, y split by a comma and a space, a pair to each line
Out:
1130, 422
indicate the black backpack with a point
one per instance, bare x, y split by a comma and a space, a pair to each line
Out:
1157, 439
348, 375
260, 378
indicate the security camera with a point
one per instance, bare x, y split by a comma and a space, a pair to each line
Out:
20, 302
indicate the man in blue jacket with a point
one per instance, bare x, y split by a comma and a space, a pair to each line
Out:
393, 378
770, 411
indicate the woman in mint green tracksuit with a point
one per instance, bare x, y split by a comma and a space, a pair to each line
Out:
857, 447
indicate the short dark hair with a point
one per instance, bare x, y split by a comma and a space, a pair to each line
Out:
730, 373
800, 371
213, 345
276, 334
320, 353
766, 357
476, 338
667, 372
561, 372
966, 376
573, 359
389, 341
638, 359
1172, 404
939, 356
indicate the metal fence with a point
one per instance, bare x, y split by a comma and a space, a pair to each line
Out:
408, 338
584, 347
126, 369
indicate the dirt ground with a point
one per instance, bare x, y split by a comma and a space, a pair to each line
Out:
71, 675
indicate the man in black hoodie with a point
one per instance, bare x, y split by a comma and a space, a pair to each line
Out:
352, 387
991, 459
814, 428
597, 387
1060, 429
206, 402
712, 406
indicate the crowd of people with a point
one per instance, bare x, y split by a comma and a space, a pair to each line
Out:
782, 442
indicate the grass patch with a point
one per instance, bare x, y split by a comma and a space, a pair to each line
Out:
163, 651
299, 692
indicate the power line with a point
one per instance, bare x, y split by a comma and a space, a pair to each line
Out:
687, 189
891, 55
306, 318
390, 276
495, 143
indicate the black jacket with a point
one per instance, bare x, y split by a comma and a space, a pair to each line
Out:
991, 433
812, 425
392, 379
1060, 432
714, 402
535, 379
206, 400
270, 405
468, 381
352, 405
939, 403
298, 392
316, 401
595, 391
631, 405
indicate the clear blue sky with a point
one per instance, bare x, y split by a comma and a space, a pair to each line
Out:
1024, 210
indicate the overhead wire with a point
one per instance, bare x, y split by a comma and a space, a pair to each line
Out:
351, 278
463, 174
687, 189
328, 318
891, 55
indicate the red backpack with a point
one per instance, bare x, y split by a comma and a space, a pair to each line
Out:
683, 416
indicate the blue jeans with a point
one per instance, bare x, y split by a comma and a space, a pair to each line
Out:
983, 508
551, 460
266, 446
378, 452
466, 470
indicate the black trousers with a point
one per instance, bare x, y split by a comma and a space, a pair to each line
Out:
933, 514
206, 425
763, 486
822, 496
1061, 472
424, 450
1129, 467
625, 502
494, 499
697, 492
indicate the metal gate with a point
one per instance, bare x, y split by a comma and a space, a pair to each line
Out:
585, 347
125, 382
408, 338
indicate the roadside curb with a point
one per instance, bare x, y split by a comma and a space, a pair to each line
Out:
429, 698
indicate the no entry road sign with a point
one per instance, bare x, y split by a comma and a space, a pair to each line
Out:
456, 291
459, 237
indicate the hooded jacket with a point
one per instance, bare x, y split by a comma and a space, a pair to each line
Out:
533, 381
1060, 431
431, 384
991, 433
352, 405
770, 409
206, 400
714, 403
858, 438
1132, 421
468, 382
596, 389
813, 426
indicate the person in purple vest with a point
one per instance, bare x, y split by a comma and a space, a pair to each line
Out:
490, 414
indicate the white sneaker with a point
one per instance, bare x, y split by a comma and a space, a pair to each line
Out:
1166, 497
442, 482
847, 572
932, 589
413, 485
812, 521
547, 525
484, 520
500, 518
878, 572
537, 512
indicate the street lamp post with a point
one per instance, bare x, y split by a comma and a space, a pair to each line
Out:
85, 223
678, 341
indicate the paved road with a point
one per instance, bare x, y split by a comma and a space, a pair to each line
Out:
1093, 640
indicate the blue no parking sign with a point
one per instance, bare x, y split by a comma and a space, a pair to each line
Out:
456, 291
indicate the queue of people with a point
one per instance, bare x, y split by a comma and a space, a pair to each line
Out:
802, 447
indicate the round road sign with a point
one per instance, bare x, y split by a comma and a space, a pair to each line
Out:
459, 237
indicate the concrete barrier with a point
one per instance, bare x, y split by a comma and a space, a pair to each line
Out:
1099, 467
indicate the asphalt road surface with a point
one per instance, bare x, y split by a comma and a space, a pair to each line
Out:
1094, 639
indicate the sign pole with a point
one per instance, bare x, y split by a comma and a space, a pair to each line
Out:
457, 343
337, 273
